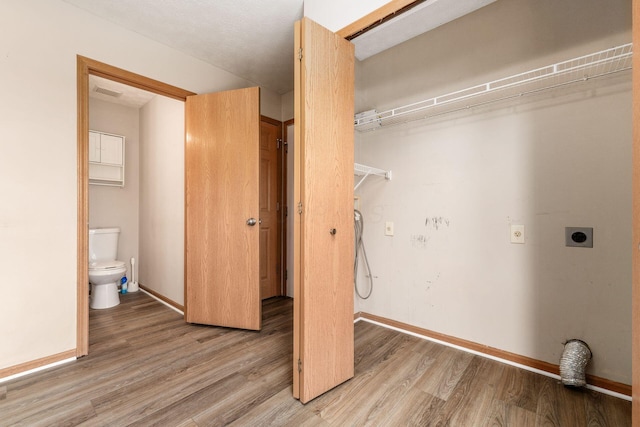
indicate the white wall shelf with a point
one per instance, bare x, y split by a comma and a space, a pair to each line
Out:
553, 76
363, 171
106, 159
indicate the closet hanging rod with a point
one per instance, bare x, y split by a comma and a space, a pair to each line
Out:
580, 69
364, 171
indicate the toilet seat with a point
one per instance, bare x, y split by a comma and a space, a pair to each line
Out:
106, 265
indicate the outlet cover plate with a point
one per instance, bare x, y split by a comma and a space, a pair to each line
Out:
517, 233
388, 228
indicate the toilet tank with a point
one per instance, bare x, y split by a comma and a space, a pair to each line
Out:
103, 244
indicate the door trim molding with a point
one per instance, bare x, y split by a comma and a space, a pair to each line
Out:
270, 120
85, 67
379, 16
285, 203
282, 199
635, 229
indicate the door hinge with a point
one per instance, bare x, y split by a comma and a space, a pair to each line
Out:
300, 208
286, 211
277, 206
278, 143
300, 54
286, 275
299, 365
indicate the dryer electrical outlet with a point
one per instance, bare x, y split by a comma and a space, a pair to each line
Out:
578, 237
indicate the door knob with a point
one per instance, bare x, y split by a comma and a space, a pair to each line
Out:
252, 222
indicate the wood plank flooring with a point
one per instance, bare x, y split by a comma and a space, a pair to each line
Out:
147, 367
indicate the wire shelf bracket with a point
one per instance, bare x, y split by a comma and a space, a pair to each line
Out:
576, 70
363, 171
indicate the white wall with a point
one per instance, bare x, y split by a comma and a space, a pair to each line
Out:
459, 181
287, 106
270, 104
161, 261
38, 167
117, 206
337, 14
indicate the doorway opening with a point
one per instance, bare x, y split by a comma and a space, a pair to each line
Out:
149, 133
86, 68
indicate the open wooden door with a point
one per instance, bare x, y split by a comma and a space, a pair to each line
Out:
222, 285
323, 209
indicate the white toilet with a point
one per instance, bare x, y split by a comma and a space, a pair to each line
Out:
105, 271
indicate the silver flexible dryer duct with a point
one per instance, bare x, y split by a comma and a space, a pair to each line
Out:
573, 362
359, 229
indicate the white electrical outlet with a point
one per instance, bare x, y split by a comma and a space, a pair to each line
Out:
517, 234
388, 228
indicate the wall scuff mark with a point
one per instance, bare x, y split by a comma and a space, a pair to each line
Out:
419, 240
436, 222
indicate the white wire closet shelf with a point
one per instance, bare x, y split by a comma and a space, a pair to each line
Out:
363, 171
599, 64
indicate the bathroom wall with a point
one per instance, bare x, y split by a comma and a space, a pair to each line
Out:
161, 261
460, 181
116, 206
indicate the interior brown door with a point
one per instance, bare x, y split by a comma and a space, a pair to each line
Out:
221, 209
270, 191
323, 227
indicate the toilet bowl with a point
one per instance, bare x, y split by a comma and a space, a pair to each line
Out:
105, 271
104, 278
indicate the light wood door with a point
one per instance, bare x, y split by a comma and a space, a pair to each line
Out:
221, 179
323, 248
270, 195
636, 216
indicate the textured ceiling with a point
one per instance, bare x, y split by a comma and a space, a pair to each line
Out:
252, 39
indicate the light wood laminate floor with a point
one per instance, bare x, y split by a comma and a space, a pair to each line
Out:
147, 367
